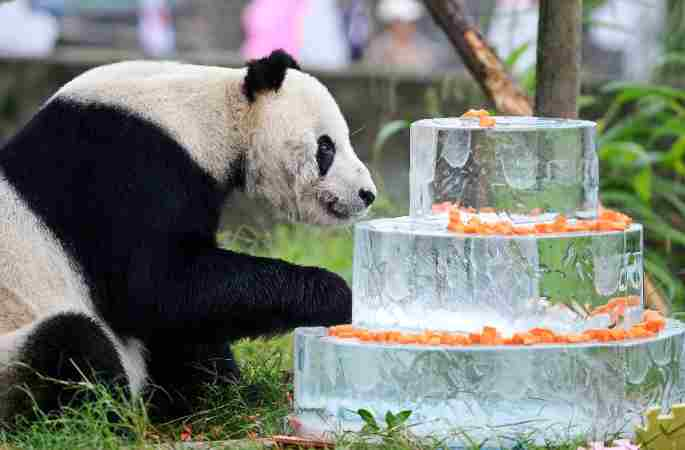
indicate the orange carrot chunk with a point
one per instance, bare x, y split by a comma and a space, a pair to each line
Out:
486, 121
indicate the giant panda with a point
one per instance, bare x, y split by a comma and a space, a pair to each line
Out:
110, 200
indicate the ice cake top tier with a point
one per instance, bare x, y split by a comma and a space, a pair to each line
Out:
527, 167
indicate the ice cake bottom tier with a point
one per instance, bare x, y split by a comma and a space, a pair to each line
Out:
498, 394
413, 274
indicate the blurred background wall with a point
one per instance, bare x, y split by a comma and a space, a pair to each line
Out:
383, 59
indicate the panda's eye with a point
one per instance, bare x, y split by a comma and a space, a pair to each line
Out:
325, 154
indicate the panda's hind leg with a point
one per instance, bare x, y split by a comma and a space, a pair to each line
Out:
59, 351
180, 373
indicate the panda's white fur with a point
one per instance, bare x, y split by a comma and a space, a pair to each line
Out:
36, 276
189, 100
206, 111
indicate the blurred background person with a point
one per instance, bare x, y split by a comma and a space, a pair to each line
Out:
25, 31
324, 44
400, 45
310, 30
155, 28
272, 24
357, 25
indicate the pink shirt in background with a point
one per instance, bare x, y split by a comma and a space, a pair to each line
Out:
273, 24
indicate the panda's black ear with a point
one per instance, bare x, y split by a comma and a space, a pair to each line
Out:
267, 74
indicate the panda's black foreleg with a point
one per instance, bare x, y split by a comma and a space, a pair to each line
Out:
226, 295
265, 296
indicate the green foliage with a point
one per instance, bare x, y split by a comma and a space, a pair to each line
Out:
642, 155
394, 423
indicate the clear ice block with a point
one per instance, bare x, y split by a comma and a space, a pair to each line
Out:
549, 392
413, 274
528, 168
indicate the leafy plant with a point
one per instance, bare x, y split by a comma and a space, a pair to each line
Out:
394, 432
394, 422
642, 155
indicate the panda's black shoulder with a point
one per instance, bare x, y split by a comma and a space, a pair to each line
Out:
267, 74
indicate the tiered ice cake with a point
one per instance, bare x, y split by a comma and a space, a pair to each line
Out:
419, 273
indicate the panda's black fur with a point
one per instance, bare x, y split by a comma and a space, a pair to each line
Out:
267, 73
139, 217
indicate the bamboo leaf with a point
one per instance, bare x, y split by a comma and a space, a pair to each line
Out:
633, 91
515, 55
642, 182
673, 199
386, 132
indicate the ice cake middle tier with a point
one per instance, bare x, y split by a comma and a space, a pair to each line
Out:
413, 274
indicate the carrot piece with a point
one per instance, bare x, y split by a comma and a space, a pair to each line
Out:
651, 315
455, 216
393, 336
637, 332
459, 339
486, 121
559, 224
475, 113
504, 228
530, 339
474, 338
656, 326
377, 336
599, 334
490, 332
574, 338
487, 340
608, 225
337, 328
409, 339
572, 228
617, 334
523, 230
366, 336
541, 332
346, 335
524, 339
475, 220
456, 227
447, 339
470, 229
542, 228
435, 340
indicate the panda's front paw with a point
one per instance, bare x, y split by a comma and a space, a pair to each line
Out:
328, 299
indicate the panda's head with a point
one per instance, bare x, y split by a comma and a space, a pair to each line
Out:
299, 156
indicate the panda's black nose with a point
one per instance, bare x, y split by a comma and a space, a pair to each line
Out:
367, 196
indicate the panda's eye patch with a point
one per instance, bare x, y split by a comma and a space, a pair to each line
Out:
325, 154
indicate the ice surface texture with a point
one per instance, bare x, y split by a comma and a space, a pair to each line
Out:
553, 391
414, 274
521, 165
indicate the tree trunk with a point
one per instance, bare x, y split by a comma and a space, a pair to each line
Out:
479, 58
558, 68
